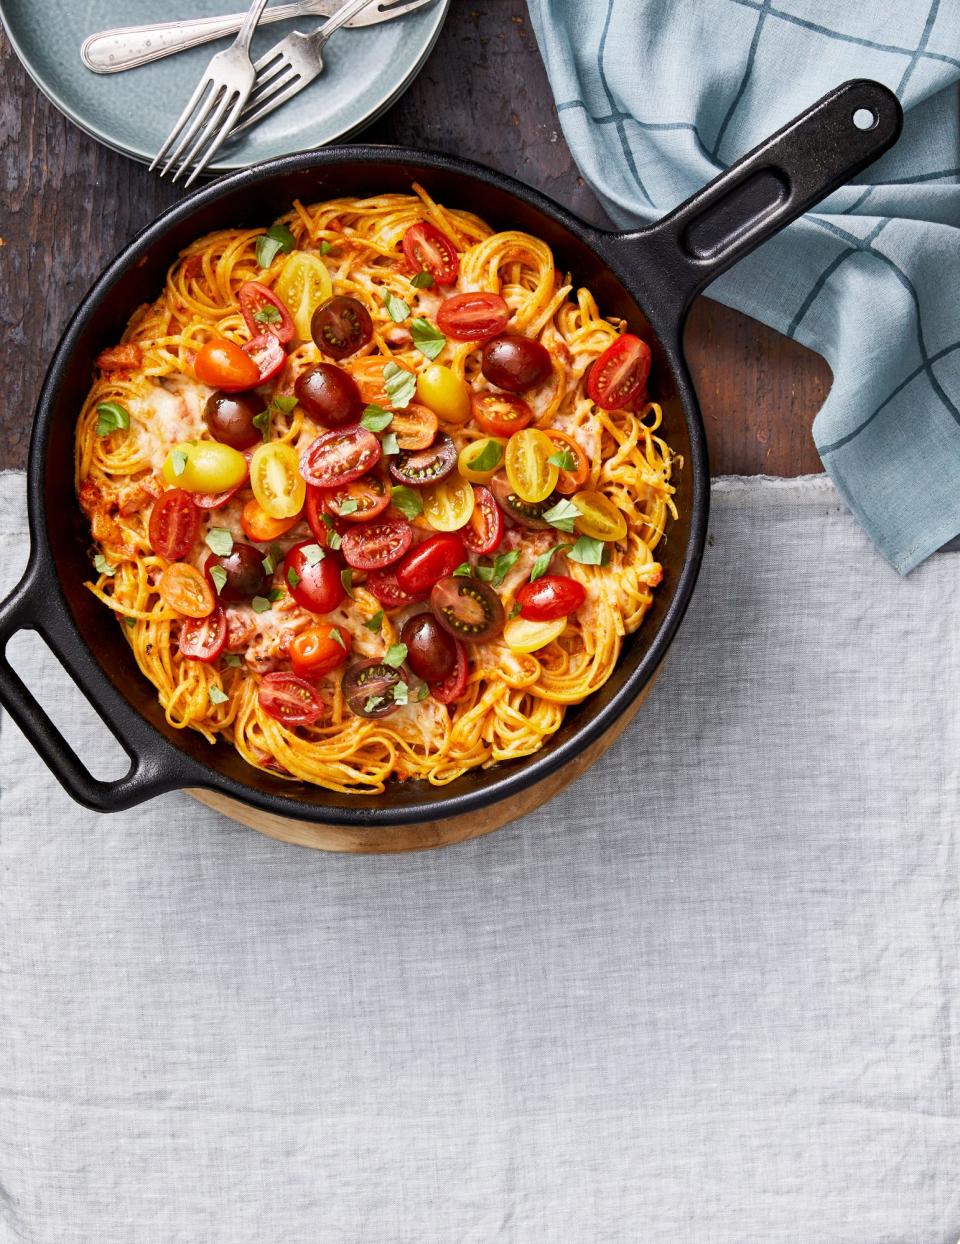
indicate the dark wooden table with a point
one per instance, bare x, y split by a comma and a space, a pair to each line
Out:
67, 205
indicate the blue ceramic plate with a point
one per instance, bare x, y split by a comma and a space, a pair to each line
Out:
365, 71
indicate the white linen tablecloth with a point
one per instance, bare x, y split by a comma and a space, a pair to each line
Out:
707, 995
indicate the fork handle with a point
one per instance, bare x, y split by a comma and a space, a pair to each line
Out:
111, 51
350, 8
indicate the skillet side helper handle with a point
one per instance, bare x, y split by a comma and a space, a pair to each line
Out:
755, 198
34, 604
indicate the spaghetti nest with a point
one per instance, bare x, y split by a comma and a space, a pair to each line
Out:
513, 700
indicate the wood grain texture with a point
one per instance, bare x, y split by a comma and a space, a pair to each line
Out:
67, 205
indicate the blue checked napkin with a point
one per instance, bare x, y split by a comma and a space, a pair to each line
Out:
656, 97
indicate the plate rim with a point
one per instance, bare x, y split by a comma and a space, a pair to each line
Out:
441, 9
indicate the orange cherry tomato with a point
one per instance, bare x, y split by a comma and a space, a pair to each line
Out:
500, 414
224, 365
185, 589
260, 526
415, 427
319, 649
570, 479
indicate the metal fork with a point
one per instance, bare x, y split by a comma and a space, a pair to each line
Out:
215, 105
291, 65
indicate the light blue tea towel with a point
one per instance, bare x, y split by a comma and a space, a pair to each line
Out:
655, 98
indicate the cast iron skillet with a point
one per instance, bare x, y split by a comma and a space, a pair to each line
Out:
648, 276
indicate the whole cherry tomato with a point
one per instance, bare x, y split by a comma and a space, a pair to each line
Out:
223, 364
550, 597
314, 581
430, 561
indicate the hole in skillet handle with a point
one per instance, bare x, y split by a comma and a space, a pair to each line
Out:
865, 119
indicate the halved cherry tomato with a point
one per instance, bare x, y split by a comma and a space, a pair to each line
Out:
262, 527
468, 608
420, 467
383, 584
526, 513
368, 688
375, 545
204, 467
453, 686
500, 414
268, 354
276, 482
214, 500
550, 597
620, 373
340, 326
522, 635
264, 312
203, 639
317, 586
532, 475
427, 249
414, 427
222, 364
289, 699
339, 456
483, 533
599, 517
303, 284
447, 506
318, 650
574, 477
430, 561
473, 317
488, 449
360, 501
185, 589
174, 524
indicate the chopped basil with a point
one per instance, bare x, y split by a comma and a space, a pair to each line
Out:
219, 577
562, 515
407, 501
514, 611
373, 702
233, 659
178, 460
337, 637
563, 459
131, 622
464, 570
542, 565
103, 566
376, 418
389, 444
587, 551
495, 574
401, 693
269, 563
262, 423
396, 655
428, 339
422, 691
325, 247
260, 604
376, 622
283, 402
423, 280
397, 309
488, 459
280, 404
333, 536
313, 553
267, 314
277, 238
292, 577
217, 696
220, 540
400, 385
110, 417
275, 594
350, 506
346, 578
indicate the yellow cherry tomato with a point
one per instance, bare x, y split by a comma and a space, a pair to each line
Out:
301, 286
444, 392
448, 506
532, 475
522, 635
276, 480
599, 517
487, 450
204, 466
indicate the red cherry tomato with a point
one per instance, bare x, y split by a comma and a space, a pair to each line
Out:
204, 639
264, 312
316, 587
174, 524
384, 586
318, 650
620, 373
550, 597
473, 317
500, 414
339, 457
484, 531
453, 686
268, 354
289, 699
375, 545
360, 502
222, 364
427, 249
318, 520
430, 561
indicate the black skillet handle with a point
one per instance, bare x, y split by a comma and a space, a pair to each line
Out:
35, 604
760, 194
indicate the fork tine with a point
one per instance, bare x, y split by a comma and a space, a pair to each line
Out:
209, 131
274, 53
268, 107
207, 105
223, 133
267, 75
180, 121
259, 97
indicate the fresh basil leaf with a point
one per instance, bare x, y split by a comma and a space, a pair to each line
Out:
563, 459
178, 460
562, 515
277, 238
337, 637
219, 577
423, 280
389, 444
325, 247
541, 565
514, 611
259, 604
313, 553
401, 693
220, 540
233, 660
376, 418
292, 577
217, 696
262, 423
283, 403
346, 578
333, 536
488, 459
396, 655
422, 692
110, 417
373, 702
495, 574
587, 551
400, 385
268, 563
131, 622
464, 570
407, 501
267, 314
396, 308
428, 339
350, 506
375, 623
103, 566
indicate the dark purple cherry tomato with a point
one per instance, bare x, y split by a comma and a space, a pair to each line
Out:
468, 608
515, 363
420, 467
526, 513
243, 566
229, 418
431, 652
368, 688
453, 686
329, 394
341, 326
